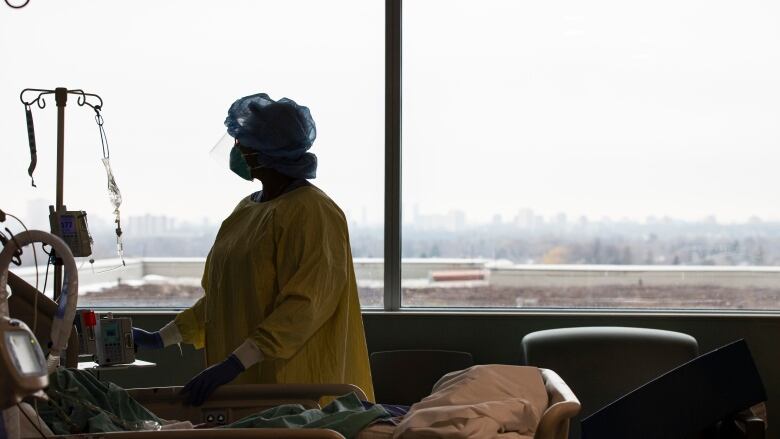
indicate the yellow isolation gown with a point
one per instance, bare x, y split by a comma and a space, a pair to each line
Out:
280, 273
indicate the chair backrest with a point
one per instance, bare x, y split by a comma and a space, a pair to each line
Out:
407, 376
600, 364
685, 401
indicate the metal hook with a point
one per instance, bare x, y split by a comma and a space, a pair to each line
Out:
39, 100
82, 98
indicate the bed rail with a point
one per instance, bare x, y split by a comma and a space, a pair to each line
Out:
563, 406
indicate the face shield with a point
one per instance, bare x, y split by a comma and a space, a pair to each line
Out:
221, 155
220, 152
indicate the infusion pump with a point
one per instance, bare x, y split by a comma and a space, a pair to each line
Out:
106, 339
115, 341
71, 226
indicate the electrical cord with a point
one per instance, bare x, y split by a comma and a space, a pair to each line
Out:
35, 308
35, 402
109, 269
19, 406
37, 274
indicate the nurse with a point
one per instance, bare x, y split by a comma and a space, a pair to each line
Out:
281, 302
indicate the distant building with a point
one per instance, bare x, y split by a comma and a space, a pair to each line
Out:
452, 221
37, 215
150, 225
527, 219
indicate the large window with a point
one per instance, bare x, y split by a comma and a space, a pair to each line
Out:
554, 154
168, 72
591, 154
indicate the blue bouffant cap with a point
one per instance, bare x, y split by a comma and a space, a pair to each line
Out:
281, 132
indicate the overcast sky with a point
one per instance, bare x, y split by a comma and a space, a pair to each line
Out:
599, 108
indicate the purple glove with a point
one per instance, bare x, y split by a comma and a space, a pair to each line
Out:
206, 382
147, 340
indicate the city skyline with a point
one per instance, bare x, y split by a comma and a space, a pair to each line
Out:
453, 219
527, 238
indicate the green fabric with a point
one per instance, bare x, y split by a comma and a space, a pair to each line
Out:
345, 415
80, 403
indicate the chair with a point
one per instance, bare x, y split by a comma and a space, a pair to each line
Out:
601, 364
407, 376
698, 399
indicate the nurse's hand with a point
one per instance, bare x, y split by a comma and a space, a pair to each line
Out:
206, 382
147, 340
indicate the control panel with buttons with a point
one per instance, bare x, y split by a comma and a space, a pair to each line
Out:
115, 341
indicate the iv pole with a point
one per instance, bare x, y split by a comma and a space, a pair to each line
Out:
61, 99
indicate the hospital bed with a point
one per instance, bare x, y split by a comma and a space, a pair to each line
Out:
233, 402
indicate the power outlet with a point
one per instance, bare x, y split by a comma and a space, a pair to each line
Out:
215, 417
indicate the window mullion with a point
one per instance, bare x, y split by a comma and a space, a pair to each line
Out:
392, 263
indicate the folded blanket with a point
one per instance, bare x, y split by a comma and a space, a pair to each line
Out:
483, 401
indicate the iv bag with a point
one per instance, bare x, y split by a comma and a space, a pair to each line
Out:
113, 190
116, 200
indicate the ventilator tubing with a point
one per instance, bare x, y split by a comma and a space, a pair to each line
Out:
66, 309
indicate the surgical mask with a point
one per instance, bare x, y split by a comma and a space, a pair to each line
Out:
239, 165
